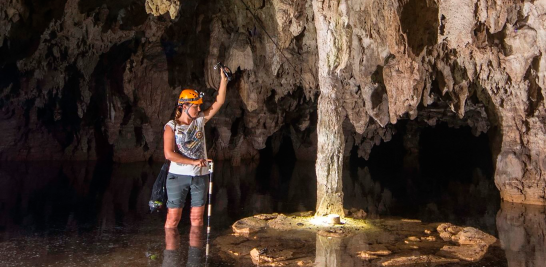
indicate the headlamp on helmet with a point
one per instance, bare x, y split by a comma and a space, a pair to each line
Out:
190, 96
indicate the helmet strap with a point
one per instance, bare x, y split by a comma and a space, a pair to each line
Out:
187, 113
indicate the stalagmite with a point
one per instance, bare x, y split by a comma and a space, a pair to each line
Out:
332, 51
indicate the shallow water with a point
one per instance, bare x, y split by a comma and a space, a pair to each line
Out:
96, 214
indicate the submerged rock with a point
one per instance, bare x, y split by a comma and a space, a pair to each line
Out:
428, 238
288, 240
421, 260
473, 242
413, 239
465, 252
266, 257
370, 252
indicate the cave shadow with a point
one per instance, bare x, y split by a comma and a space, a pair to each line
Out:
446, 174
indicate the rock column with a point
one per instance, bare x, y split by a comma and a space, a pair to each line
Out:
333, 54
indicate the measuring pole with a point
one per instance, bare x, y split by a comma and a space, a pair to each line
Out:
209, 212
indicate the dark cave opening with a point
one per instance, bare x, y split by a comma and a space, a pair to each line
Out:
277, 161
428, 173
454, 153
106, 82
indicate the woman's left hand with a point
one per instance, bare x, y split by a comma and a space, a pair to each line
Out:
222, 74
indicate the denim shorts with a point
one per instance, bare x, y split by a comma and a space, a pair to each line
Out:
178, 187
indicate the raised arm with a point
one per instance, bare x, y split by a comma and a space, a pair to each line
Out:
220, 98
168, 150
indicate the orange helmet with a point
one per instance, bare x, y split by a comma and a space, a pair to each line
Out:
190, 96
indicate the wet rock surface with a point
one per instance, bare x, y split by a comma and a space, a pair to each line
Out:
473, 242
289, 240
248, 225
465, 252
411, 260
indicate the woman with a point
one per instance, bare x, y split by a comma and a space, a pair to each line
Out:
188, 170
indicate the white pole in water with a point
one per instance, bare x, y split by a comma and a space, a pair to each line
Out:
211, 170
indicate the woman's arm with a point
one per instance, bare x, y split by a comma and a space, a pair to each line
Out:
220, 98
168, 150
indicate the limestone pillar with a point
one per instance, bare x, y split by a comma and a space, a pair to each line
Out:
333, 50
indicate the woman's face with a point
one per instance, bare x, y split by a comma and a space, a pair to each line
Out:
193, 110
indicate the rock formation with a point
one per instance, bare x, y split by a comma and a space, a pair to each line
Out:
92, 80
161, 7
284, 240
333, 51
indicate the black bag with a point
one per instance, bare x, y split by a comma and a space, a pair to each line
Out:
159, 191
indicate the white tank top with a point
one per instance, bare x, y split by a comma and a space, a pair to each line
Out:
190, 142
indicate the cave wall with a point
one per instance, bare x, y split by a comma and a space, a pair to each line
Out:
97, 80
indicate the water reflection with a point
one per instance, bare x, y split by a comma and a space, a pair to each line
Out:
173, 254
330, 252
522, 233
56, 196
92, 213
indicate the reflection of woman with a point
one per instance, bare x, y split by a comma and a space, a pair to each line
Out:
171, 255
188, 171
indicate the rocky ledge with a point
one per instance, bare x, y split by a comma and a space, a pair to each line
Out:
301, 239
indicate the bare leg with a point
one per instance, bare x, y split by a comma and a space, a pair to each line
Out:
173, 218
196, 215
172, 239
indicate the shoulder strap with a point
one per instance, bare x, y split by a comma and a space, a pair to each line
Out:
204, 139
174, 134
